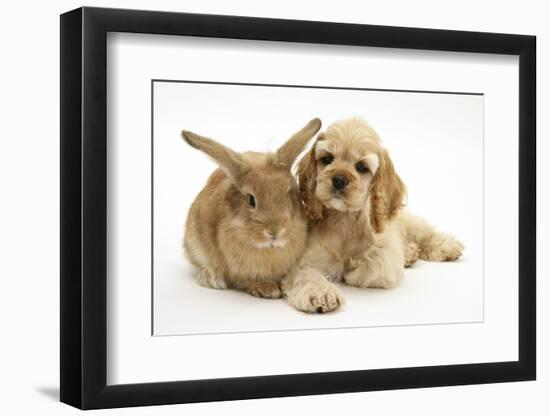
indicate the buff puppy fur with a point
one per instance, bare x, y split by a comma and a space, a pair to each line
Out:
360, 235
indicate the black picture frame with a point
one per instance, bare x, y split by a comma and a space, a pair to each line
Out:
84, 209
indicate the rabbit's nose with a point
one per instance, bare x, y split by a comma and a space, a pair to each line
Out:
274, 232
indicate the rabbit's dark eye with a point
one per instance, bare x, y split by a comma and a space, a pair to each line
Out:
327, 159
361, 167
251, 200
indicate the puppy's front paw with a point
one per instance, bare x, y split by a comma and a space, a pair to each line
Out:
316, 297
265, 290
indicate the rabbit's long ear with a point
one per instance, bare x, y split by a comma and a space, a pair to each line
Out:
228, 160
295, 145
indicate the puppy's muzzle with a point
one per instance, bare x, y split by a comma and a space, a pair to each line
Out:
339, 182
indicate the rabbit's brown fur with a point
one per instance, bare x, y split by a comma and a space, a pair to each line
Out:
236, 245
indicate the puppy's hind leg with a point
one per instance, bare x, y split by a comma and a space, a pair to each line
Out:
433, 245
412, 251
441, 247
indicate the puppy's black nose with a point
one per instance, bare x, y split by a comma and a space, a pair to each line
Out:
339, 182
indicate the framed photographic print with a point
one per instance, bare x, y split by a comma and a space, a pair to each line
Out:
257, 208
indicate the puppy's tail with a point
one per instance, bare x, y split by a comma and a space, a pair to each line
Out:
424, 241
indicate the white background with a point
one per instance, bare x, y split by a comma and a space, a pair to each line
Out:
29, 172
436, 144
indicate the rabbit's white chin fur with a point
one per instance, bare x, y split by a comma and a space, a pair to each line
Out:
279, 243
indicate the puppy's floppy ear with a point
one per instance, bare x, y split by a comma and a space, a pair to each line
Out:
228, 160
387, 193
307, 181
288, 152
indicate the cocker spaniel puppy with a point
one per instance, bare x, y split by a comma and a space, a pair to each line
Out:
359, 233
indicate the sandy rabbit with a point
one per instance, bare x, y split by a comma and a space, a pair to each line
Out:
246, 228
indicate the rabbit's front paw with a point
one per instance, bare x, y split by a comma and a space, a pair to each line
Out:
264, 290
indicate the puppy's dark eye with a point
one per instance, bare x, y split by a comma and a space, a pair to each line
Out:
251, 200
361, 167
327, 160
